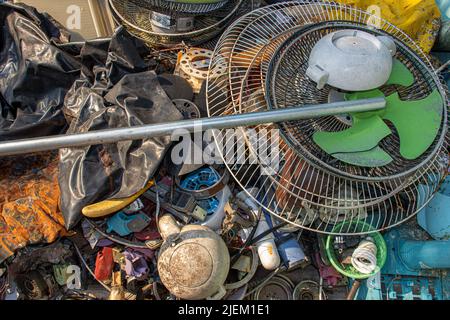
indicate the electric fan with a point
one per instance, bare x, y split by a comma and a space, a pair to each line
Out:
174, 22
358, 166
185, 6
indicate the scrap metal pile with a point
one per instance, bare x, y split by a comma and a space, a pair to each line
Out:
225, 149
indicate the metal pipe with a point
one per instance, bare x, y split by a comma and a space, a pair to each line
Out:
354, 290
23, 146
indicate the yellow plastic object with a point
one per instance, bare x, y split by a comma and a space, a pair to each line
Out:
420, 19
107, 207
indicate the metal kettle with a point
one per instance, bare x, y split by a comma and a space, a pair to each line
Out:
193, 261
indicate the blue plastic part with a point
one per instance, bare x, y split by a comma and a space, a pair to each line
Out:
200, 179
407, 256
370, 289
435, 217
415, 268
411, 288
209, 205
444, 7
419, 255
120, 223
395, 287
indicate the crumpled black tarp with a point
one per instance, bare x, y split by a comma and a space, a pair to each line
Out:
95, 173
35, 73
47, 83
119, 91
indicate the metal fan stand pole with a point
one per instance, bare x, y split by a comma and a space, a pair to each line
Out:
24, 146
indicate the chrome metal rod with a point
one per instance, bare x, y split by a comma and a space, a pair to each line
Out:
16, 147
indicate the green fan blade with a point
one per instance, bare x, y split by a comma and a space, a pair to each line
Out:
376, 157
417, 122
365, 134
400, 75
367, 131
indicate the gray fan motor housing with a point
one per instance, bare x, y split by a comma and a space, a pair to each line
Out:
164, 23
194, 264
351, 60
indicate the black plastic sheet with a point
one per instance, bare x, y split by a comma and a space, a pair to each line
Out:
49, 85
99, 172
35, 73
116, 89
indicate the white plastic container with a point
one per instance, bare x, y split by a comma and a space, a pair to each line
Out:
267, 249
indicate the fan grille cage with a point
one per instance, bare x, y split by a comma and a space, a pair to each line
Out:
303, 192
137, 20
182, 8
290, 64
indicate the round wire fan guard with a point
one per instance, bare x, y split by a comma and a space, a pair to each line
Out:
266, 54
167, 28
194, 7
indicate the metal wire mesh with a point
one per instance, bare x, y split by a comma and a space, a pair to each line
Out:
287, 86
137, 20
265, 52
171, 6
